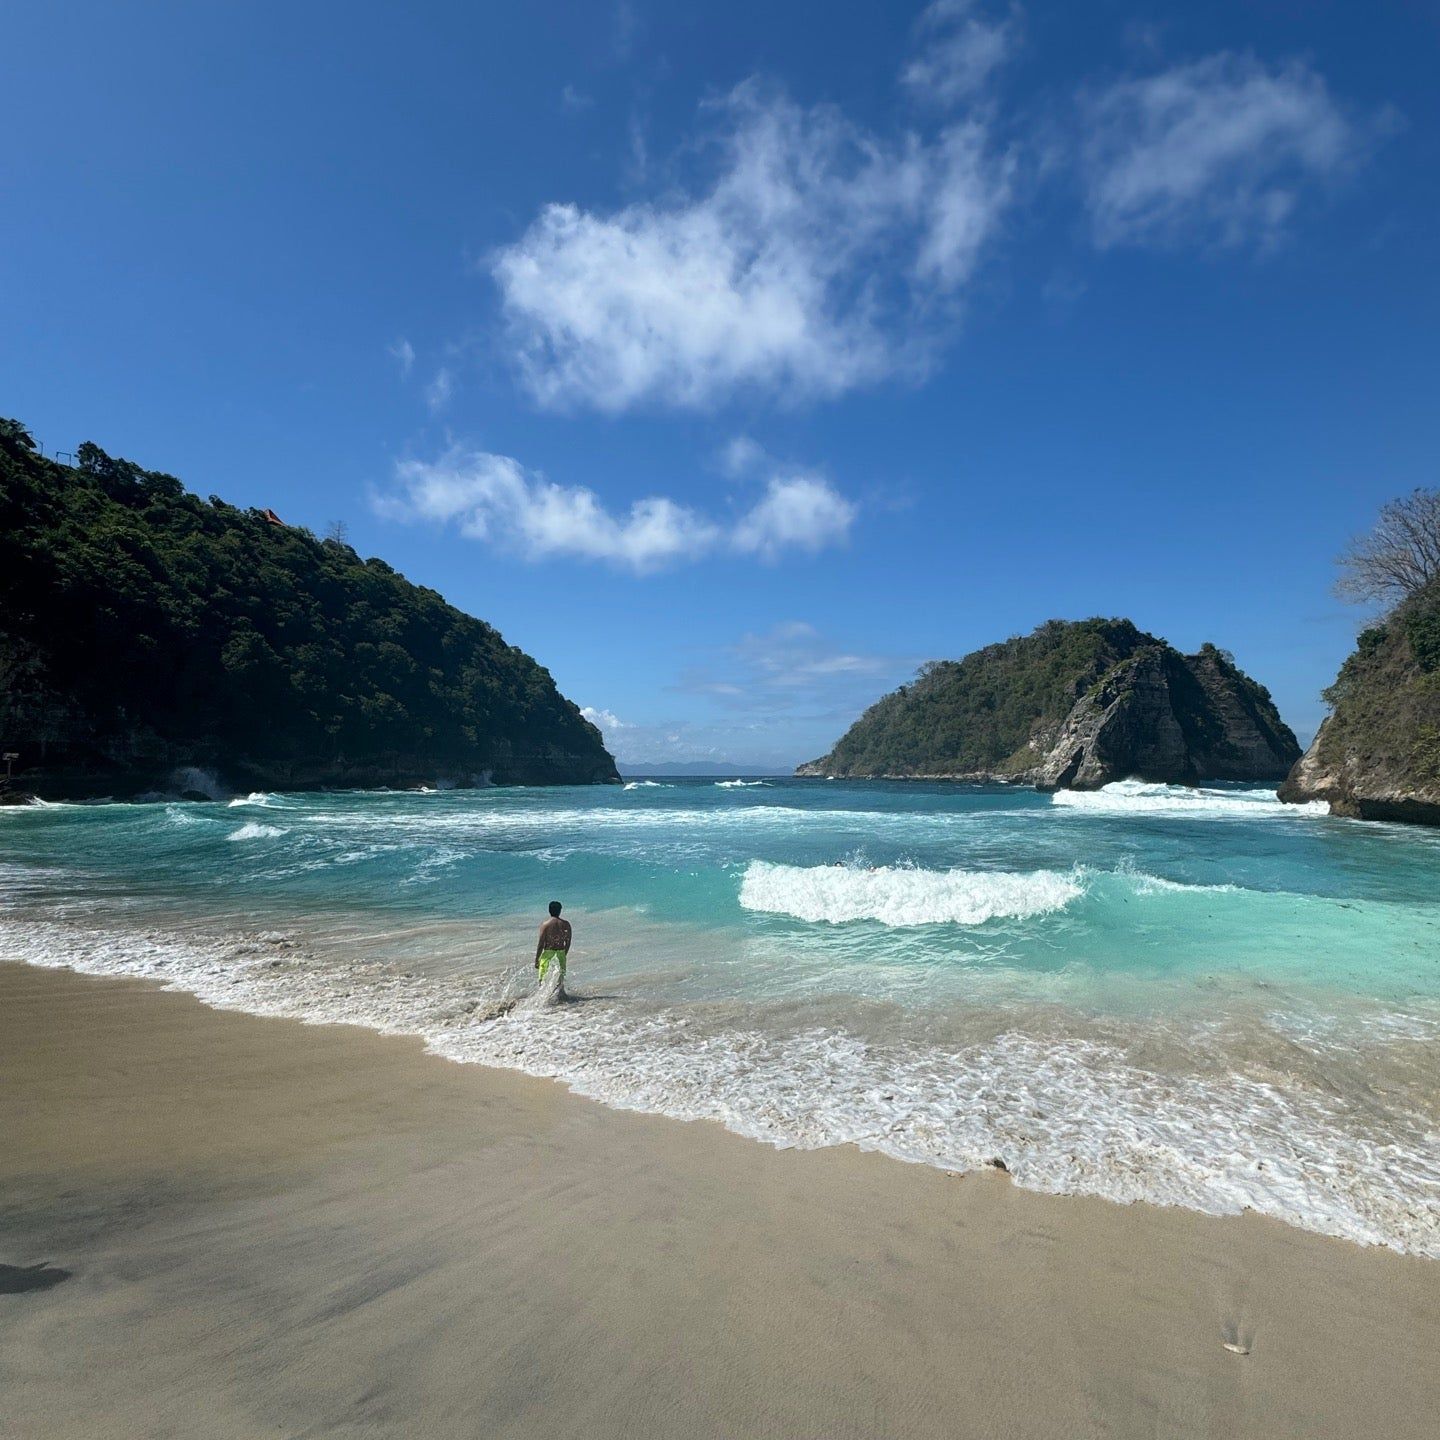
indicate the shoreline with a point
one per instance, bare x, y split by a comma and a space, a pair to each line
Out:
272, 974
318, 1229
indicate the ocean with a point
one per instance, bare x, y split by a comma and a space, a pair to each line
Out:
1188, 997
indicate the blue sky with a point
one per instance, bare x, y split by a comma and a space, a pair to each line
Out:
734, 359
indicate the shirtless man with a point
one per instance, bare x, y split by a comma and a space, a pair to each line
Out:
553, 944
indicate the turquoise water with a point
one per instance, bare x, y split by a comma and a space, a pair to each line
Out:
1190, 997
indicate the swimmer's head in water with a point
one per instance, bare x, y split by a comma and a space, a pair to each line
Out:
555, 907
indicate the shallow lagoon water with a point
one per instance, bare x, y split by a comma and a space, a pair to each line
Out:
1189, 997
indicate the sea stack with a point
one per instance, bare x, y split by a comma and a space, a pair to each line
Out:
1074, 705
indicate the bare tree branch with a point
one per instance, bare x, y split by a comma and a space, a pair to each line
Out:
1399, 557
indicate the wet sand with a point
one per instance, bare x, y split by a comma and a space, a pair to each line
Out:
213, 1225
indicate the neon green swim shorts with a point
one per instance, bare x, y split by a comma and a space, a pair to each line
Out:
546, 956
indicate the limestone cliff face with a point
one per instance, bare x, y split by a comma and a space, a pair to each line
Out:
1377, 757
1168, 717
1076, 706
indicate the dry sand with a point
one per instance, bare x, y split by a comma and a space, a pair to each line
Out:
282, 1230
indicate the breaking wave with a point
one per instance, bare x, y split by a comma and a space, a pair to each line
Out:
252, 830
1137, 797
896, 896
741, 784
647, 785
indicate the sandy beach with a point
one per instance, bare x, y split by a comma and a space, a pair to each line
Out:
255, 1227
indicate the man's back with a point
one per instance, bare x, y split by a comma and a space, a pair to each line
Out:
553, 946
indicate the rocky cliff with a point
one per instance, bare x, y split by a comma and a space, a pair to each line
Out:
154, 641
1073, 705
1377, 756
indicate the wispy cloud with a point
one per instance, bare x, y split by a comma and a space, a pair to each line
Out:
440, 390
625, 29
794, 659
403, 353
960, 47
1218, 151
775, 697
495, 498
573, 101
676, 742
740, 456
799, 268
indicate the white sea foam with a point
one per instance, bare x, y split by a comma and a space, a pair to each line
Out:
183, 814
741, 784
253, 830
262, 798
1067, 1114
1143, 884
193, 779
647, 785
899, 896
1136, 797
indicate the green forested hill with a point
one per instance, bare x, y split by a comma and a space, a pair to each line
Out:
972, 716
1378, 754
1074, 703
142, 628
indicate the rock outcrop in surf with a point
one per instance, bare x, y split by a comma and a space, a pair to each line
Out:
154, 641
1377, 756
1074, 705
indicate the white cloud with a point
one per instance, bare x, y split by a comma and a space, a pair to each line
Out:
799, 269
495, 498
573, 100
799, 512
439, 391
1215, 151
960, 49
604, 720
403, 352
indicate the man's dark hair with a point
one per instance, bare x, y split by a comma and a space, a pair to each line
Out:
554, 907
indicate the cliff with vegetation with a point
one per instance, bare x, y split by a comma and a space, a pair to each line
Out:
151, 640
1377, 756
1074, 705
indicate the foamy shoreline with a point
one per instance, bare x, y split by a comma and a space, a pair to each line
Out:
1067, 1118
324, 1231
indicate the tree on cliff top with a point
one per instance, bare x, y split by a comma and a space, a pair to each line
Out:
1400, 557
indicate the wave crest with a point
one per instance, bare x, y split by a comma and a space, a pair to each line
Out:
1138, 797
897, 897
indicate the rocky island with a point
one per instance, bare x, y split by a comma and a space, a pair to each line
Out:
154, 641
1075, 704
